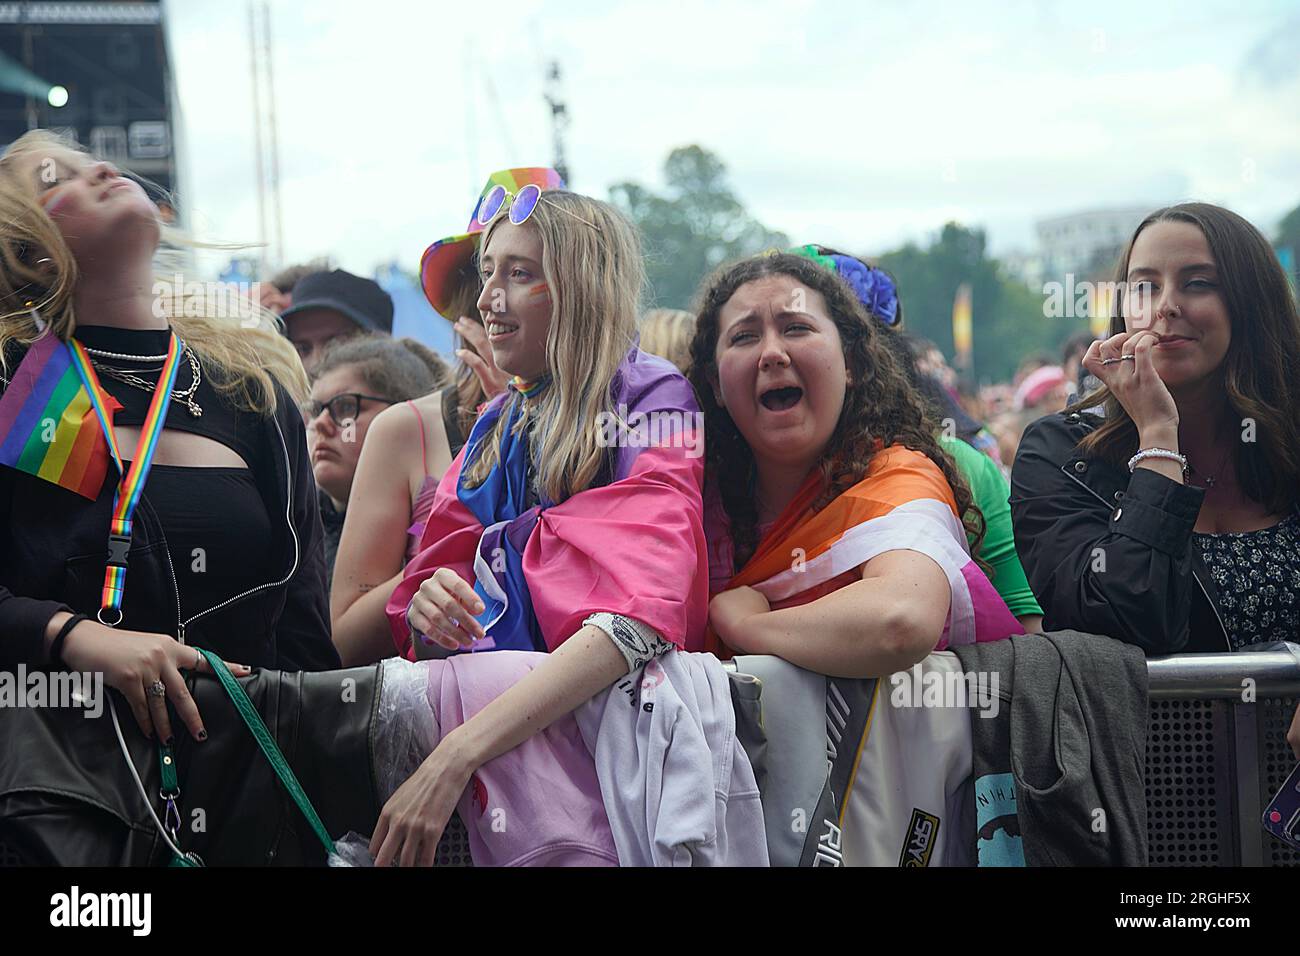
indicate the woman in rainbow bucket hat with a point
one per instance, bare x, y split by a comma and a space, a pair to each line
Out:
410, 445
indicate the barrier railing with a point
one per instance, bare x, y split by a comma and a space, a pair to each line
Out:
1216, 754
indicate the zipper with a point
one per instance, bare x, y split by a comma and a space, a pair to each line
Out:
181, 625
176, 588
1214, 607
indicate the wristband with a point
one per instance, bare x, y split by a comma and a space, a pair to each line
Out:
1146, 453
424, 638
56, 646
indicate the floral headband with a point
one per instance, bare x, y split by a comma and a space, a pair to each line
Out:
875, 288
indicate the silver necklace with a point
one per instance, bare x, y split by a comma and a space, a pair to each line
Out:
1211, 479
124, 357
185, 397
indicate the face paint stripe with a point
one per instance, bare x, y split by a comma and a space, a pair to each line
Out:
52, 198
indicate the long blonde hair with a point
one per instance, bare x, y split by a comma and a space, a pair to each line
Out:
668, 333
595, 279
245, 356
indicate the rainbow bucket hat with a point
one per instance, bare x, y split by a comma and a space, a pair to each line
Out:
443, 261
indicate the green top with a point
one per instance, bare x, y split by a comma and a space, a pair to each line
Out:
993, 497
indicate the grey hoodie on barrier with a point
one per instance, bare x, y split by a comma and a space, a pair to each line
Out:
1059, 771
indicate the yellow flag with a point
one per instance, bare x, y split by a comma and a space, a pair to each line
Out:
961, 325
1099, 322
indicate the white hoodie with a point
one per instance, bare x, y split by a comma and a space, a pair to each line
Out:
677, 785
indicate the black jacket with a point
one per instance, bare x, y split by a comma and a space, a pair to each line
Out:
53, 546
1108, 552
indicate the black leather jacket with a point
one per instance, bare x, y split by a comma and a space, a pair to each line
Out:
53, 549
1108, 552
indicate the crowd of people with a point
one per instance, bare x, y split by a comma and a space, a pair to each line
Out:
354, 497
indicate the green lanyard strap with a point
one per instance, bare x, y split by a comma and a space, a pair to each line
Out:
264, 740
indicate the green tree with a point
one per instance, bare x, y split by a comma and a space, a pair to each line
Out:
1007, 318
697, 225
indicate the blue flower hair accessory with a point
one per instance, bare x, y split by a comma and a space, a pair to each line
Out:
875, 288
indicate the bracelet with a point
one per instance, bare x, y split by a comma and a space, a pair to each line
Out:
1146, 453
56, 646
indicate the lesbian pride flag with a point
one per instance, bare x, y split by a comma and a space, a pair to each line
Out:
48, 426
903, 504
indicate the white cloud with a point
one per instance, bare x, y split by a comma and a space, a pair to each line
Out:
854, 125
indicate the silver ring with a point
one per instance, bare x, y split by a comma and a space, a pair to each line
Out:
157, 689
1128, 358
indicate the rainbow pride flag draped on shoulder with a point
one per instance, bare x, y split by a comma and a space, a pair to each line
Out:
632, 545
903, 504
48, 425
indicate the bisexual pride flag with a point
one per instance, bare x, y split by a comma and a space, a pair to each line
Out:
48, 426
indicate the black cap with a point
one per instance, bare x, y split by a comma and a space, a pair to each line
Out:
361, 300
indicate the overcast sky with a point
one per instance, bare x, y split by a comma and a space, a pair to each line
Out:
853, 124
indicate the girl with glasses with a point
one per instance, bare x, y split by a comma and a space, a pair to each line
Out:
355, 381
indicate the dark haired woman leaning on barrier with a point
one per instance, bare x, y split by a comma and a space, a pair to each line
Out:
820, 450
1171, 523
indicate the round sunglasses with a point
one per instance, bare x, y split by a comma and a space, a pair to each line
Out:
521, 205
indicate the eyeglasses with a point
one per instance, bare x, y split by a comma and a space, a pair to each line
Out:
521, 205
342, 408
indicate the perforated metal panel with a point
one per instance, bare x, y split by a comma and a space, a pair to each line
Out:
1276, 763
1189, 784
453, 848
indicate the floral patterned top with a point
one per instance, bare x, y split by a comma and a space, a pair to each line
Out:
1257, 574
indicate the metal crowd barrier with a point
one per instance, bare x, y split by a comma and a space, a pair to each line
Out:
1215, 756
1214, 760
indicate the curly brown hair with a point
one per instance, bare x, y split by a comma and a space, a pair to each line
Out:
879, 403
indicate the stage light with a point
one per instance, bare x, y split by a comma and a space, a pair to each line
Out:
57, 96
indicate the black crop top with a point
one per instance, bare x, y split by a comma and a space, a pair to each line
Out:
218, 528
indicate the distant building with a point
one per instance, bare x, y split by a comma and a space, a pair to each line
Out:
1025, 267
1087, 244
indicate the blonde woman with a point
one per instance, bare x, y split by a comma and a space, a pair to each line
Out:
224, 548
548, 532
411, 445
668, 333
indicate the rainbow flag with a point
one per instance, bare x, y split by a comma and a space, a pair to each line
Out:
48, 426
